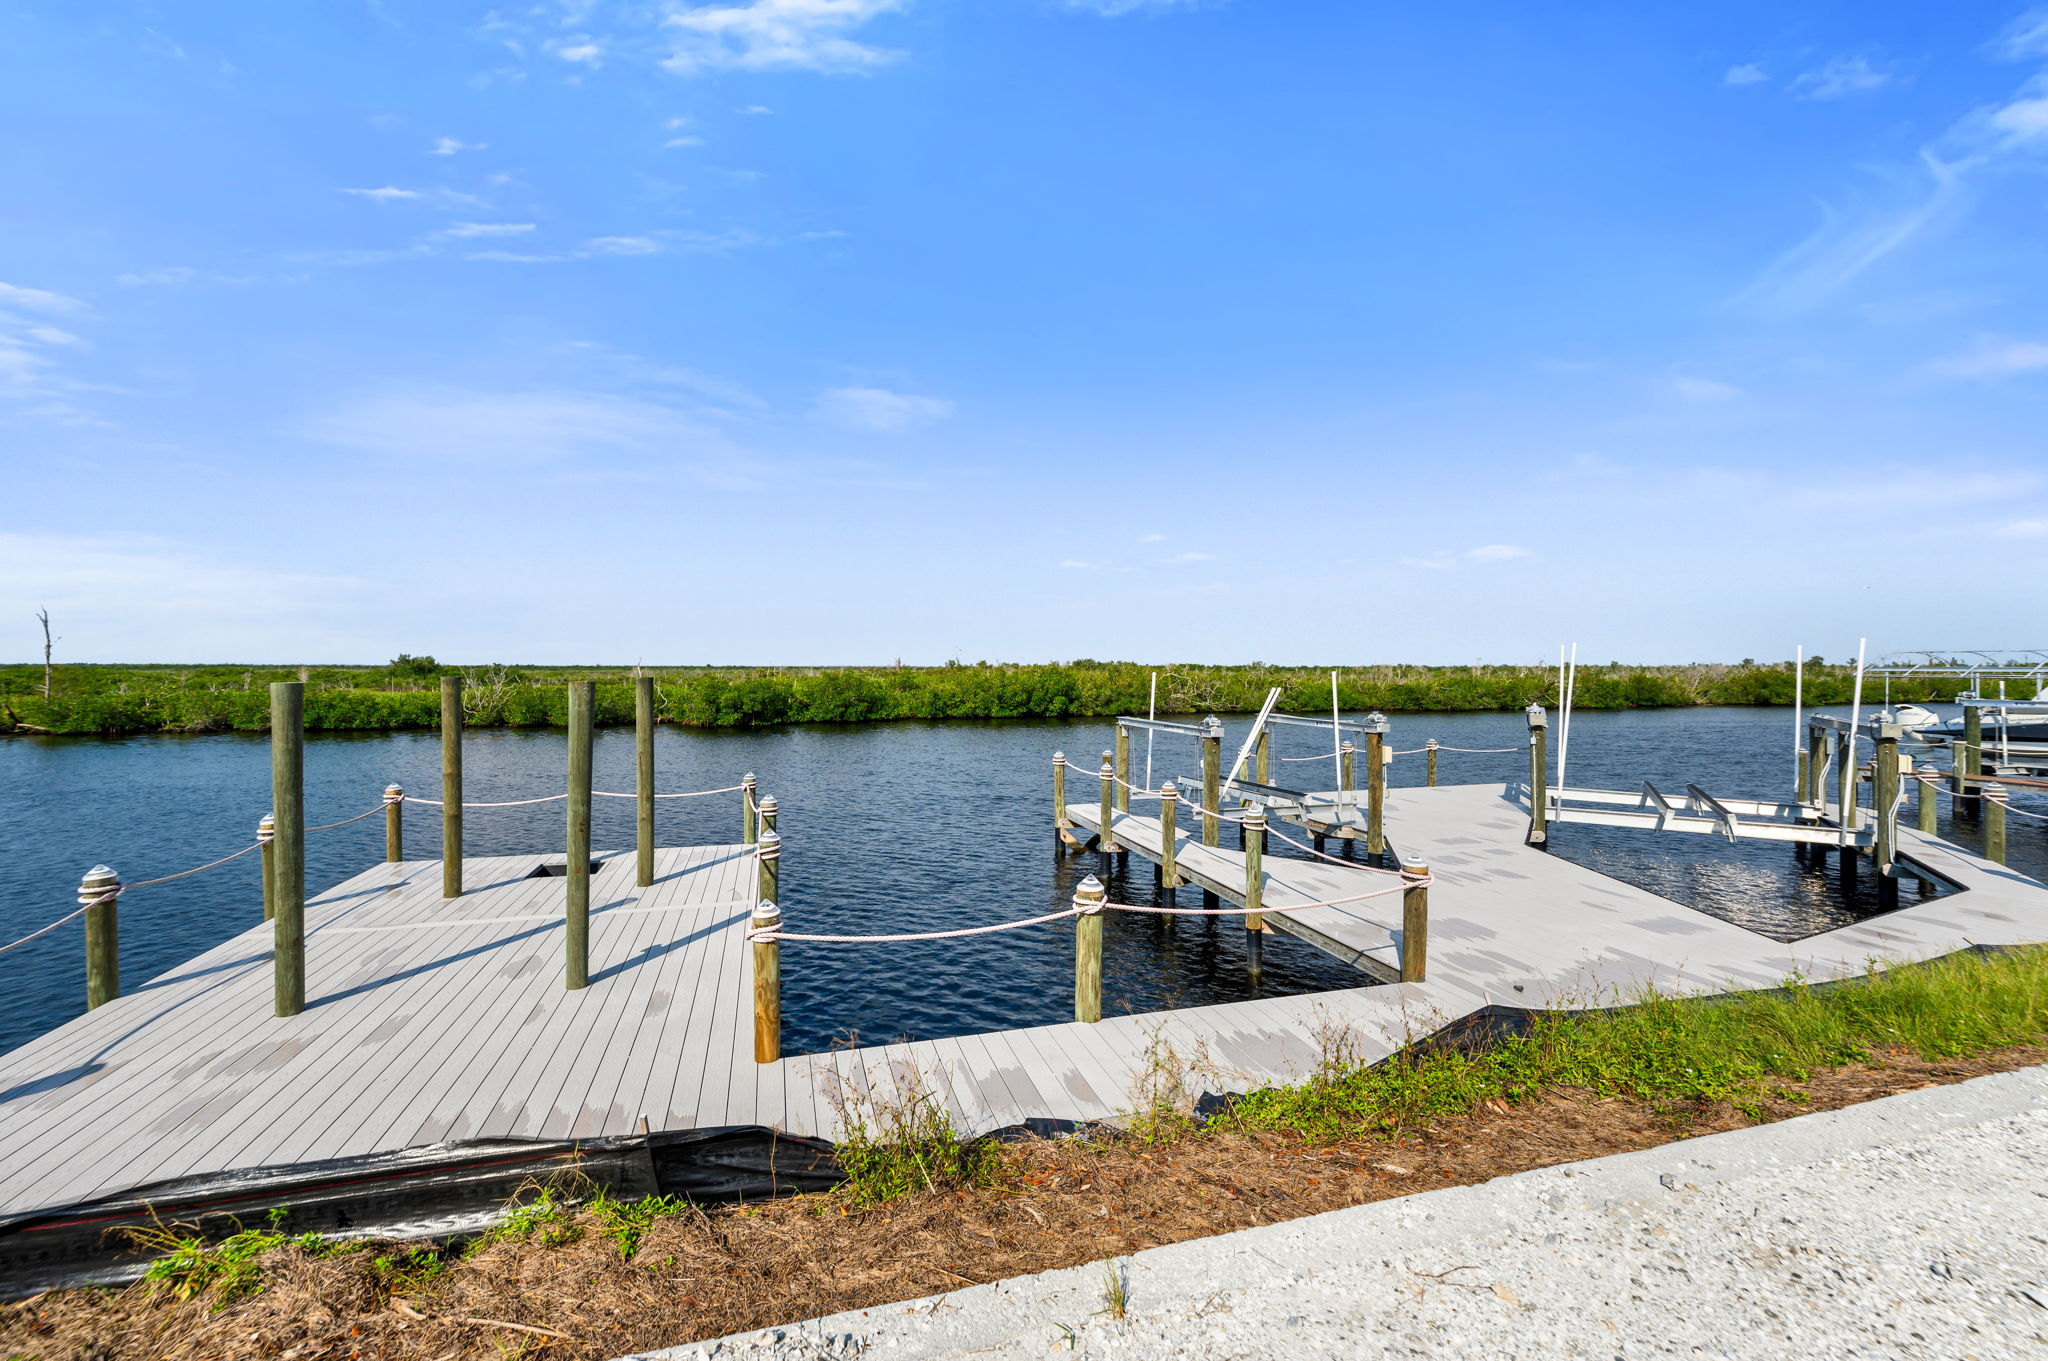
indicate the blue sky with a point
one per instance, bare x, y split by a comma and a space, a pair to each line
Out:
848, 330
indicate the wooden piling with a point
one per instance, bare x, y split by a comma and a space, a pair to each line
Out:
1816, 759
1088, 900
1930, 810
1539, 775
748, 828
1212, 775
1169, 800
1432, 762
1060, 820
1104, 842
768, 851
1848, 793
1994, 824
394, 823
582, 699
1969, 760
1414, 921
643, 778
266, 837
1377, 758
767, 983
288, 875
451, 786
1262, 758
1123, 768
1255, 886
771, 811
1347, 767
1885, 795
99, 893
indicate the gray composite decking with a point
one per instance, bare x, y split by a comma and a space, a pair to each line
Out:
432, 1020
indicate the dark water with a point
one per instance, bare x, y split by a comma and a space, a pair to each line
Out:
887, 827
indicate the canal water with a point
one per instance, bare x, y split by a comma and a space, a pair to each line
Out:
887, 828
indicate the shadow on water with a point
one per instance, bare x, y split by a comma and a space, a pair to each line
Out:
888, 828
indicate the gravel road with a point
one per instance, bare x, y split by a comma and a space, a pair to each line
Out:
1915, 1226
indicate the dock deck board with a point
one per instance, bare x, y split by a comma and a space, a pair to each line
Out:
432, 1019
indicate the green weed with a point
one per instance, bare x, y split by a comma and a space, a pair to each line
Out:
898, 1138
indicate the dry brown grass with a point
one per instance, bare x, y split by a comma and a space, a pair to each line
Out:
700, 1274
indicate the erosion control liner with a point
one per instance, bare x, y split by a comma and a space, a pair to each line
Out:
434, 1191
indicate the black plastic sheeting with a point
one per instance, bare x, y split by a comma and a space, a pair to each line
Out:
440, 1190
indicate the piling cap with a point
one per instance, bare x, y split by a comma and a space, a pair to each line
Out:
768, 804
767, 914
1349, 745
1059, 758
102, 873
266, 827
1376, 722
1169, 790
1214, 725
770, 844
1088, 894
393, 793
1413, 869
1255, 816
747, 778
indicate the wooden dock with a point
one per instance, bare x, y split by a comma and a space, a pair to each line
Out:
430, 1020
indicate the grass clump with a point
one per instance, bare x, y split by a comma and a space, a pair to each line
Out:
898, 1139
232, 1268
1739, 1049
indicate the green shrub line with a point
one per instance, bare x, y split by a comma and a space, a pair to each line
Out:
117, 700
1740, 1048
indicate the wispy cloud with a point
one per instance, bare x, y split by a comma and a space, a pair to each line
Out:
1112, 9
1702, 390
1840, 77
1489, 552
40, 300
1749, 73
33, 380
491, 427
444, 198
2023, 529
1854, 237
1992, 358
771, 35
1151, 538
463, 231
1179, 559
449, 146
879, 409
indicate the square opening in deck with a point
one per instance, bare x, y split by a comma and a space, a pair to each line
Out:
557, 871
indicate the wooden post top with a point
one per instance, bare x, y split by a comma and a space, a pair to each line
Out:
94, 886
767, 917
1537, 717
1088, 896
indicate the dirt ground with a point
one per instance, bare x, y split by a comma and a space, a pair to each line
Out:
705, 1274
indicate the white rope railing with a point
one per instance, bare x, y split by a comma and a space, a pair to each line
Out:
1264, 909
114, 891
692, 794
557, 798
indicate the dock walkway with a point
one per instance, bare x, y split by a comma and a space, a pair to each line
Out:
431, 1020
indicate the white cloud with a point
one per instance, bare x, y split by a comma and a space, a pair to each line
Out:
449, 146
2023, 529
755, 110
388, 194
1151, 538
1851, 240
1111, 9
2025, 37
2024, 121
1995, 359
623, 245
1747, 74
1179, 558
468, 230
1489, 552
1076, 564
869, 408
449, 198
40, 300
767, 35
1840, 77
170, 276
580, 50
674, 142
1702, 390
505, 427
50, 335
162, 594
